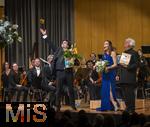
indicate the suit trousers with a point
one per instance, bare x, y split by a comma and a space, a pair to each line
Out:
129, 96
92, 90
65, 77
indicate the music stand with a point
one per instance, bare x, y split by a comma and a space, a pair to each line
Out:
100, 56
145, 49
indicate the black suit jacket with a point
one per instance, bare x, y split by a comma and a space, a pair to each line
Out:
58, 60
5, 79
50, 44
33, 79
127, 75
47, 75
14, 78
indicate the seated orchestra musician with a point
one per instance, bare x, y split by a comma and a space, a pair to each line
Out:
44, 79
93, 57
5, 79
14, 84
48, 80
5, 75
35, 75
40, 78
93, 81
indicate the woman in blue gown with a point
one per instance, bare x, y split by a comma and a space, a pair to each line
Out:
108, 93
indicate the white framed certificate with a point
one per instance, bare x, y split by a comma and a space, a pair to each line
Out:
125, 59
118, 59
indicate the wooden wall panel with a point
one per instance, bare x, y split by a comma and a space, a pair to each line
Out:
1, 11
115, 20
84, 33
146, 22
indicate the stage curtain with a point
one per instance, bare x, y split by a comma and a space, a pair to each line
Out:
58, 15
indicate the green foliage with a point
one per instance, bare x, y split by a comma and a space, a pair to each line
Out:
101, 65
70, 54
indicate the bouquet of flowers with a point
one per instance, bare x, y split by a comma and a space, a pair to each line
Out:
70, 55
8, 33
101, 65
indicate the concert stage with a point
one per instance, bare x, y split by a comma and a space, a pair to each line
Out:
117, 115
142, 106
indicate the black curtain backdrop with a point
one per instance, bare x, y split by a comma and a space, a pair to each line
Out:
58, 15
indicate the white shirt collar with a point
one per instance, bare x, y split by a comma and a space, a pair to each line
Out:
37, 68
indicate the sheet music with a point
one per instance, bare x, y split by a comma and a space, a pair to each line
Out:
44, 60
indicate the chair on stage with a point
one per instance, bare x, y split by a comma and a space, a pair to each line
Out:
36, 89
12, 95
9, 95
147, 90
36, 94
141, 89
5, 95
18, 94
147, 93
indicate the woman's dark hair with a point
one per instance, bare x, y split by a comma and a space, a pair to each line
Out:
111, 48
3, 66
125, 117
134, 120
89, 61
67, 113
109, 121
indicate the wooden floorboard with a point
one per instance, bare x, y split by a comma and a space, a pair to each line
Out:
142, 106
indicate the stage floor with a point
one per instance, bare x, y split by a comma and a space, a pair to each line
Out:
142, 106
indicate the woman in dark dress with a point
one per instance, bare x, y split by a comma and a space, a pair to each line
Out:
5, 75
5, 78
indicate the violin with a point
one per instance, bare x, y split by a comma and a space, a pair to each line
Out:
23, 79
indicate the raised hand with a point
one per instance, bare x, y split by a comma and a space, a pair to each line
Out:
43, 32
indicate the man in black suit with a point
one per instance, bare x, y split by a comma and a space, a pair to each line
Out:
35, 78
63, 76
48, 80
35, 75
127, 75
15, 87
